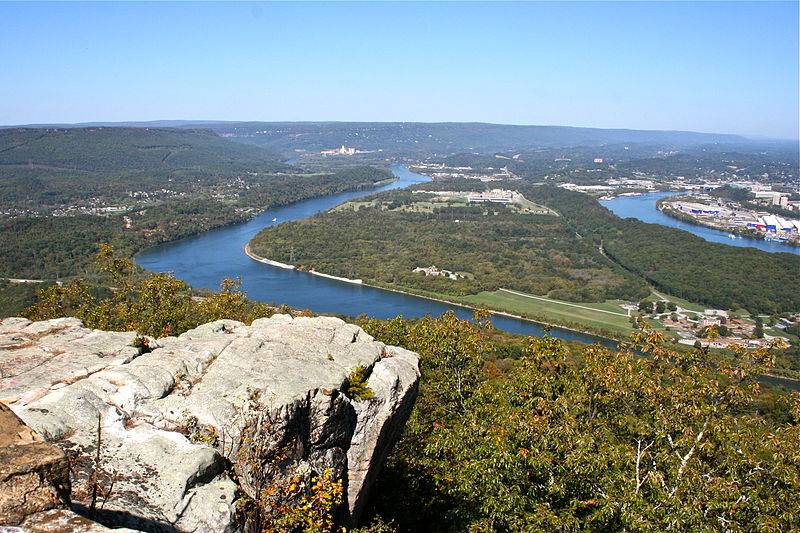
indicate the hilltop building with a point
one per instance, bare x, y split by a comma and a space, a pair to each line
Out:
345, 150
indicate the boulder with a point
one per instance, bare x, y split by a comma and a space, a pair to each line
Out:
162, 435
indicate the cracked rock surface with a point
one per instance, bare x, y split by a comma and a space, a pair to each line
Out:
84, 389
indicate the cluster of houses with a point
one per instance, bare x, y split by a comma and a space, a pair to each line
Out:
441, 171
688, 328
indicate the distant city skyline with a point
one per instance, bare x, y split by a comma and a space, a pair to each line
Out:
722, 67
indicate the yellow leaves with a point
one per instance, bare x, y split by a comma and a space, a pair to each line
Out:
293, 503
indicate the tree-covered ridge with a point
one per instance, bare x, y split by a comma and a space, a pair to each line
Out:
683, 264
406, 138
101, 149
50, 171
385, 237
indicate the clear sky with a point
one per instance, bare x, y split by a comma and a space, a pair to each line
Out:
728, 67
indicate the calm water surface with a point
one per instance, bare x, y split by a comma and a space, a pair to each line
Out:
644, 208
206, 259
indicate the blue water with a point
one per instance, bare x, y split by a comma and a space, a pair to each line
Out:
644, 208
206, 259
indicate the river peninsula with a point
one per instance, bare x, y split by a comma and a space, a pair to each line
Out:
544, 261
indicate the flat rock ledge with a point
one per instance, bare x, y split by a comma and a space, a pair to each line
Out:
157, 436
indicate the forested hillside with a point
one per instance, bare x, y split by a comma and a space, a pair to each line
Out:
133, 149
45, 169
413, 138
586, 439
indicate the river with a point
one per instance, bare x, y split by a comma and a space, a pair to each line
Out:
644, 208
206, 259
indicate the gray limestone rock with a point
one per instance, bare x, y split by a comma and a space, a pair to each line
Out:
170, 423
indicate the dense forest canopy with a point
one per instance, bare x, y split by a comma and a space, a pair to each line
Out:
586, 439
384, 238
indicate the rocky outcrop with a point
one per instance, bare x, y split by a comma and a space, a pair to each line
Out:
157, 435
34, 475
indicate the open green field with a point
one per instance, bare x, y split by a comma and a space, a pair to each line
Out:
600, 315
536, 208
680, 302
431, 204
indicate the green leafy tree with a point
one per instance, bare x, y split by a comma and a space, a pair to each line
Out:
610, 442
156, 304
646, 306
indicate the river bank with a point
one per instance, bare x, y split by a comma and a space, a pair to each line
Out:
208, 258
555, 324
254, 256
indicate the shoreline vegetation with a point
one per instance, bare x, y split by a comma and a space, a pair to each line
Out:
542, 321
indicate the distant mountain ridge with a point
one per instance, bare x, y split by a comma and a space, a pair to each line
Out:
126, 149
418, 137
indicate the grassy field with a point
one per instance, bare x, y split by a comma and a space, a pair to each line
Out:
680, 302
429, 205
601, 315
536, 208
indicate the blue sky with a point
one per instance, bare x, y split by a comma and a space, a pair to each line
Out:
729, 67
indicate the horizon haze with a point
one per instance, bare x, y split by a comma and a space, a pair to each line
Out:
716, 67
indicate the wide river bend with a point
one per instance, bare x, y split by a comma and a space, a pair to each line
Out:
206, 259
